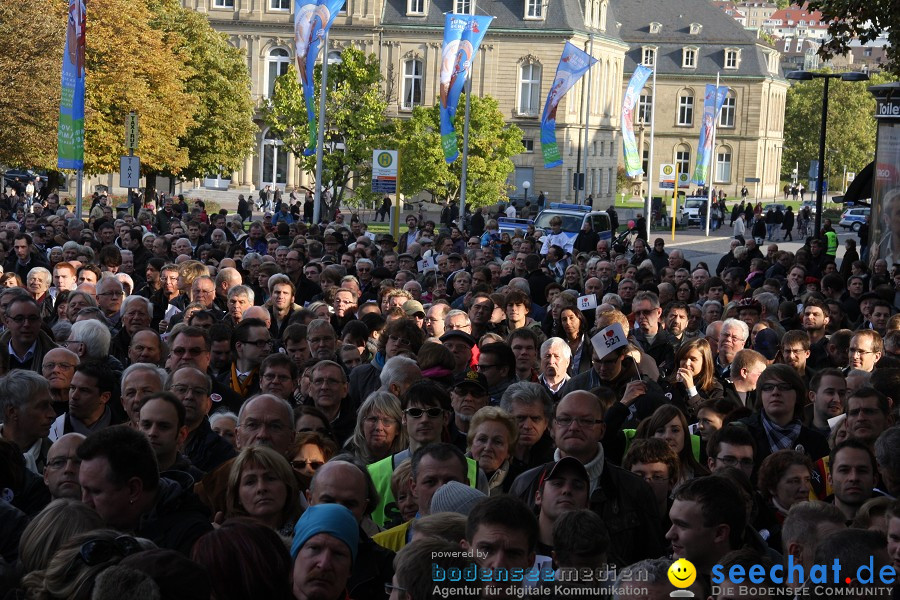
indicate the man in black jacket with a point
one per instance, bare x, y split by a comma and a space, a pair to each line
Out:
624, 501
24, 257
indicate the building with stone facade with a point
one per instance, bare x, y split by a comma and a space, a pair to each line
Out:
516, 64
689, 47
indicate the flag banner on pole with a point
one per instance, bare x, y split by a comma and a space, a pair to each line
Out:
632, 93
462, 36
70, 134
712, 104
573, 63
312, 19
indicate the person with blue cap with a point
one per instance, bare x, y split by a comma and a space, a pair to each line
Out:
324, 549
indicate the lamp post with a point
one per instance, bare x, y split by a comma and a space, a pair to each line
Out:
809, 76
525, 186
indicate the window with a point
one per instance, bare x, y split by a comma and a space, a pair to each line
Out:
648, 56
655, 27
645, 161
689, 58
731, 58
696, 28
278, 62
867, 52
686, 109
534, 9
463, 7
280, 4
723, 165
683, 159
223, 3
726, 117
415, 7
645, 107
594, 147
529, 89
528, 143
412, 83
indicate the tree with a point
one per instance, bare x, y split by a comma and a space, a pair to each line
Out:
354, 123
491, 144
129, 67
851, 20
850, 128
215, 74
32, 35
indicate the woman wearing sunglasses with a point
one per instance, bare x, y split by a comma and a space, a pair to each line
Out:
262, 486
312, 450
778, 423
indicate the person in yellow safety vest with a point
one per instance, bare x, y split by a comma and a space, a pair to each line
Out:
426, 414
831, 239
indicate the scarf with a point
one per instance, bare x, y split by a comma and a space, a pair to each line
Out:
781, 438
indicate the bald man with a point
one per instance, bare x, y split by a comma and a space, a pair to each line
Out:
63, 464
259, 312
58, 368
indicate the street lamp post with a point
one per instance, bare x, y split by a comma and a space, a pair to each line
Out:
809, 76
525, 186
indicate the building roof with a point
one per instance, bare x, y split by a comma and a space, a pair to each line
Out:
792, 15
719, 31
560, 16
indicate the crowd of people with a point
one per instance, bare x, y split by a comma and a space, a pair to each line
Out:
194, 406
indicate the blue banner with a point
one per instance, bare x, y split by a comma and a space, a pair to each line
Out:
712, 104
633, 162
573, 63
70, 134
312, 20
462, 36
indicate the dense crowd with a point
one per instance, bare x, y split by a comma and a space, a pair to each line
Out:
199, 406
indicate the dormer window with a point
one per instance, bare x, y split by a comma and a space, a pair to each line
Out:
732, 58
655, 27
534, 9
415, 7
696, 28
689, 58
648, 56
463, 7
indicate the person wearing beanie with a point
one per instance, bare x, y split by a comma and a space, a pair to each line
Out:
455, 497
324, 549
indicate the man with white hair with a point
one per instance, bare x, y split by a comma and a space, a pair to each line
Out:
732, 338
556, 356
38, 285
240, 298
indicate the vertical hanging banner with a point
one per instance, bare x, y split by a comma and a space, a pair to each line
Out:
312, 19
70, 134
712, 104
573, 63
633, 162
462, 36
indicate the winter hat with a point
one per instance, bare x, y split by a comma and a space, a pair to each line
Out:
333, 519
455, 497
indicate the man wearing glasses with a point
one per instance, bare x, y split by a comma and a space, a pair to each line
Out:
624, 501
866, 349
329, 389
203, 446
58, 368
731, 446
23, 344
251, 343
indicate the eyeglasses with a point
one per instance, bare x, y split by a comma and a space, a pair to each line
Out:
259, 343
733, 461
182, 390
52, 365
19, 319
386, 421
70, 343
860, 351
771, 387
302, 463
389, 589
399, 340
195, 351
416, 413
485, 367
585, 422
320, 381
98, 551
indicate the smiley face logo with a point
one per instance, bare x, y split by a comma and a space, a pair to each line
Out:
682, 573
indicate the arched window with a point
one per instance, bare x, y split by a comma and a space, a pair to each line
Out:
530, 89
726, 117
645, 106
683, 158
277, 63
274, 161
723, 164
413, 70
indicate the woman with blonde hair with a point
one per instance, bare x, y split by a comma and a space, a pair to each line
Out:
60, 520
262, 486
492, 438
378, 432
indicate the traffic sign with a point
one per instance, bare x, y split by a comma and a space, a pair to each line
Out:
131, 131
129, 172
384, 171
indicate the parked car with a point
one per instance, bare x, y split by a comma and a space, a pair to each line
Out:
811, 204
690, 210
853, 218
774, 207
573, 217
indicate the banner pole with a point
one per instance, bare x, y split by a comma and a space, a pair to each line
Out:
317, 204
712, 158
465, 152
79, 194
587, 122
648, 205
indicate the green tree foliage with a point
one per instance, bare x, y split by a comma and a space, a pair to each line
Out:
850, 129
491, 144
850, 20
215, 73
130, 67
354, 123
31, 45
